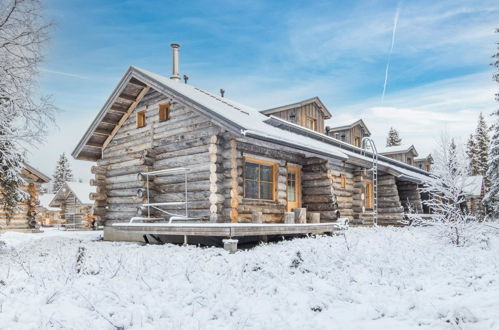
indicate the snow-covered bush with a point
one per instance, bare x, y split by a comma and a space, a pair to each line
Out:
445, 187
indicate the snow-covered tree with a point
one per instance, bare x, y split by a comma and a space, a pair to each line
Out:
23, 117
446, 185
11, 165
492, 197
472, 153
62, 172
393, 138
482, 143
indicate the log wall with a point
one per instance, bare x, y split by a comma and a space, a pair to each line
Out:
410, 198
186, 139
26, 212
390, 210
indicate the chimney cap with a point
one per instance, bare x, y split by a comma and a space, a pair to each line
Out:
175, 45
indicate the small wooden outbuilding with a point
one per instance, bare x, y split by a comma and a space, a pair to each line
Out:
73, 198
24, 219
47, 215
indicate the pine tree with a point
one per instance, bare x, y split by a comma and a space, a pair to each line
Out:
393, 138
11, 182
472, 152
482, 144
62, 172
491, 199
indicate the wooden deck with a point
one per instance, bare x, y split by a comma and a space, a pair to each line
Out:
227, 230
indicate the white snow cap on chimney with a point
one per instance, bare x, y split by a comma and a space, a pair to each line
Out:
175, 62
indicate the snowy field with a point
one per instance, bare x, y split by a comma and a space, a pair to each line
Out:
382, 278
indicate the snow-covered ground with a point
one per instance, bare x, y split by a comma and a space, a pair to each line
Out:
384, 278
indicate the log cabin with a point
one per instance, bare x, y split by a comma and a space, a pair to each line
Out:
73, 200
245, 165
47, 215
424, 163
403, 153
351, 133
24, 219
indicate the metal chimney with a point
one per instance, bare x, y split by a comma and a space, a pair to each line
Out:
175, 62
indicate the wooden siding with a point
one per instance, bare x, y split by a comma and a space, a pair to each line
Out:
309, 110
186, 139
25, 212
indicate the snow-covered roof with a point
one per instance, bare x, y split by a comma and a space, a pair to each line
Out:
233, 116
403, 148
80, 189
45, 200
42, 178
473, 185
341, 125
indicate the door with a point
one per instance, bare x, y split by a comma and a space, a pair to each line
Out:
293, 188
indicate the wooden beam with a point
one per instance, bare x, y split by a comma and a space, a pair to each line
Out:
104, 132
128, 97
118, 108
94, 145
125, 117
107, 121
137, 83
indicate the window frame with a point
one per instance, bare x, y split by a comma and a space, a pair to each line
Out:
369, 195
343, 180
141, 118
164, 111
313, 121
356, 141
260, 162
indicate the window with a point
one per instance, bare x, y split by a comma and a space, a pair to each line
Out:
311, 123
356, 141
291, 186
141, 119
164, 111
343, 181
259, 179
409, 161
369, 196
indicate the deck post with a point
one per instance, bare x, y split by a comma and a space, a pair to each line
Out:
300, 215
230, 245
289, 217
314, 217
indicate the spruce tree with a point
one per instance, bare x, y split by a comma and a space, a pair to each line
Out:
11, 182
62, 172
472, 154
482, 144
492, 197
393, 138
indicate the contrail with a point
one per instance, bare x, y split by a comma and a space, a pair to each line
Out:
395, 21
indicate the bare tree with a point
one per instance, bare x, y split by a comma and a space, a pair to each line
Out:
24, 118
446, 187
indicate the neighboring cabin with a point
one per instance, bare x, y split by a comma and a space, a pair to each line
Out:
474, 191
424, 163
403, 153
73, 200
351, 133
310, 113
24, 219
243, 164
47, 215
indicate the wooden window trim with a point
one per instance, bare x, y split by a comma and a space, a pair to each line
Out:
369, 196
141, 119
356, 141
343, 179
274, 178
164, 111
311, 120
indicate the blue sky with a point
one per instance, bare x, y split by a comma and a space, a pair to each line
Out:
269, 53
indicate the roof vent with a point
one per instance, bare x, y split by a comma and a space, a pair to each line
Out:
175, 62
186, 77
222, 92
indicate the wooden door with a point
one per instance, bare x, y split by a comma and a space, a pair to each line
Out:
293, 188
